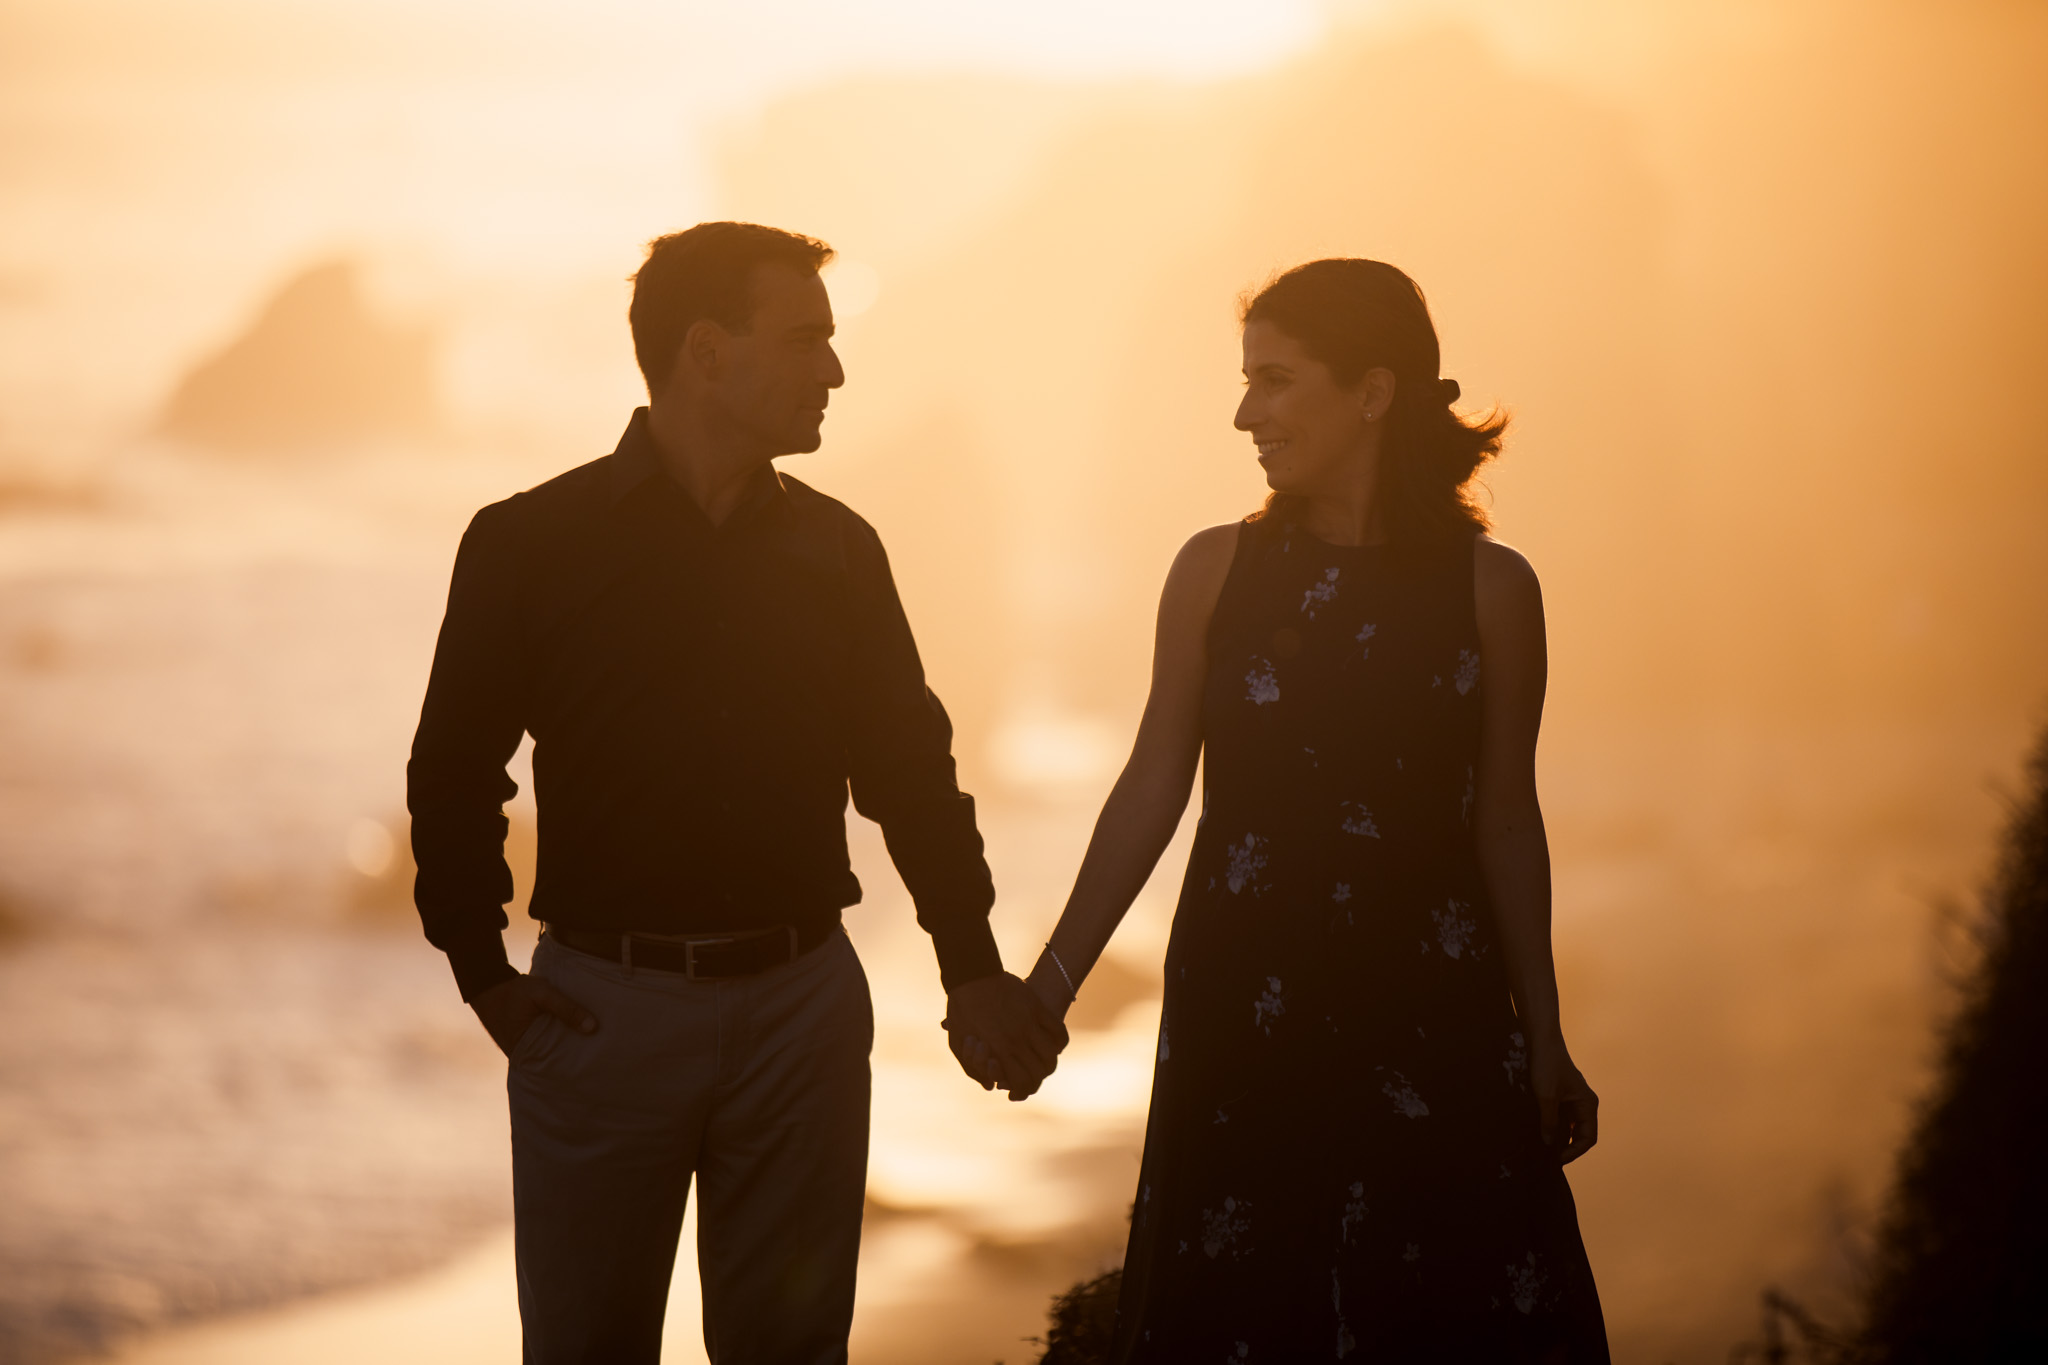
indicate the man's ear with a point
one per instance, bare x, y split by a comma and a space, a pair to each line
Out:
703, 348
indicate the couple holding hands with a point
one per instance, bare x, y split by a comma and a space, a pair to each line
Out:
1363, 1100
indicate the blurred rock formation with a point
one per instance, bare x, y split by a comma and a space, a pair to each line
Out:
317, 368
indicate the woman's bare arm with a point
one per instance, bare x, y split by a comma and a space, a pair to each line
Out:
1145, 806
1514, 853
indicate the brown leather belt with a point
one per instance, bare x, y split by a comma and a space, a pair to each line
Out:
700, 957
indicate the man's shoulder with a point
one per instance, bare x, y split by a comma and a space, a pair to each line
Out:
585, 483
824, 506
547, 508
827, 514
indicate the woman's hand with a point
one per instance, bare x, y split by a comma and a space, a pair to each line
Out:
1567, 1110
1001, 1035
1050, 987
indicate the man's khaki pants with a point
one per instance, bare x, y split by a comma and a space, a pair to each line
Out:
757, 1086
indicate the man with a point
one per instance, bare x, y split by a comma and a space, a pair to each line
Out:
707, 653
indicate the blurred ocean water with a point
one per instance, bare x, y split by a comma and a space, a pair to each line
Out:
234, 1074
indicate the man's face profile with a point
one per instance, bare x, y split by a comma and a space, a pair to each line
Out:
771, 383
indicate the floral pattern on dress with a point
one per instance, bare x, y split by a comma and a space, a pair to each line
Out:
1517, 1062
1270, 1005
1342, 1158
1319, 593
1467, 675
1406, 1102
1354, 1212
1224, 1227
1247, 861
1455, 928
1262, 688
1525, 1284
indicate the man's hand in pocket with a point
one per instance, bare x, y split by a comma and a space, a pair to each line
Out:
508, 1007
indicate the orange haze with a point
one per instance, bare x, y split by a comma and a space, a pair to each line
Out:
1762, 286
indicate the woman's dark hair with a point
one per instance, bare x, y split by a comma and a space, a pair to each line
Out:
706, 272
1356, 315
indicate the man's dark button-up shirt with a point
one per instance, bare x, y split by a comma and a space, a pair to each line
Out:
699, 698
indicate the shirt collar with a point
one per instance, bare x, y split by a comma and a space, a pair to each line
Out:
635, 461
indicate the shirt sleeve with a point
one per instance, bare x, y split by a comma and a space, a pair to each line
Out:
456, 783
903, 776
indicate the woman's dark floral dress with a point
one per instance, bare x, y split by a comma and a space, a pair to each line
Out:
1342, 1160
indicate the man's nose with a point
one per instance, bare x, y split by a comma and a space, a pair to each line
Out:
835, 373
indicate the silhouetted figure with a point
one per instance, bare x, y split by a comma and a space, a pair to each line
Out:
1961, 1270
706, 653
1363, 1096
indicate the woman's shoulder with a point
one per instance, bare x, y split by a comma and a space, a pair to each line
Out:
1196, 579
1212, 545
1501, 563
1504, 582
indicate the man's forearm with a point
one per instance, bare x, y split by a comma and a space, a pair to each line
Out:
461, 891
478, 961
937, 850
966, 948
463, 884
949, 883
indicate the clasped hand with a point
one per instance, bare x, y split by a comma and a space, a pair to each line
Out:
1002, 1034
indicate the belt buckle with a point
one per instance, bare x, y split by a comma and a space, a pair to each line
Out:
690, 947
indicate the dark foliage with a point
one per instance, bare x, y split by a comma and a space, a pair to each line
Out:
1084, 1322
1808, 1341
1961, 1264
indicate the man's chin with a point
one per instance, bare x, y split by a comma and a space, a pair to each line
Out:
799, 440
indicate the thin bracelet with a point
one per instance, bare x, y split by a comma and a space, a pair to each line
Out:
1072, 994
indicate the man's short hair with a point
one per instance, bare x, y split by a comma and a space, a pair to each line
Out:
706, 272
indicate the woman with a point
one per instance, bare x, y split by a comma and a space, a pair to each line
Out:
1363, 1097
